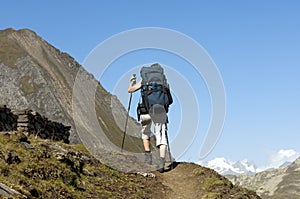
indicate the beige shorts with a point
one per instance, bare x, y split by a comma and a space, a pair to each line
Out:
160, 130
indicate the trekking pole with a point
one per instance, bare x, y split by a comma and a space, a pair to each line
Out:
126, 119
169, 148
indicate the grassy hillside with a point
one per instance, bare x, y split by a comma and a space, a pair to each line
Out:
39, 168
43, 169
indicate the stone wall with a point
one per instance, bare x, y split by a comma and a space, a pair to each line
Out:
31, 122
8, 121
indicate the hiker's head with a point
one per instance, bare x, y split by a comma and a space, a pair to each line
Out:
155, 65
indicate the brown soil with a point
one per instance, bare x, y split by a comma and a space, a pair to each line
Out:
189, 181
181, 182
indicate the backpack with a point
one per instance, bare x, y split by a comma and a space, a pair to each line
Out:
154, 89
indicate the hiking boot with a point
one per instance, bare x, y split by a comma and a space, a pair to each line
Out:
161, 165
148, 158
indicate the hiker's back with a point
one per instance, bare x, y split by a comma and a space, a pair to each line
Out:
155, 89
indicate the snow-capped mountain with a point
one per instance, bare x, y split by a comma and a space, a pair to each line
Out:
285, 164
226, 167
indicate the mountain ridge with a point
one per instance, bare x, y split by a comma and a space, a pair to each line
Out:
227, 167
278, 183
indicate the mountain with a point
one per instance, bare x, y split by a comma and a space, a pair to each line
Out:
285, 164
226, 167
36, 75
273, 184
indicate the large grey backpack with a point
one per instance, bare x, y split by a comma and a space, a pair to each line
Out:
155, 89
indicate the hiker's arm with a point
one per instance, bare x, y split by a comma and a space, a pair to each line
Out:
134, 87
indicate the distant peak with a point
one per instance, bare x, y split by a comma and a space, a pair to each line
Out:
7, 31
224, 166
23, 31
26, 31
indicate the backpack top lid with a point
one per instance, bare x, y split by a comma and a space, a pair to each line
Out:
153, 74
156, 65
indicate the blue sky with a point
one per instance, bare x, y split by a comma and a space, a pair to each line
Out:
255, 45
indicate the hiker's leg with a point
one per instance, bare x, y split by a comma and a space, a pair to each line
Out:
161, 143
162, 158
148, 154
160, 134
164, 142
146, 133
162, 151
146, 143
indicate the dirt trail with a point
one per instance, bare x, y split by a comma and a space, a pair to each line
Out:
190, 181
181, 182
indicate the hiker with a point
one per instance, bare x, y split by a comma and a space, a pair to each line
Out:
150, 110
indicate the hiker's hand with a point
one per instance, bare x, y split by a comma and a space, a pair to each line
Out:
133, 79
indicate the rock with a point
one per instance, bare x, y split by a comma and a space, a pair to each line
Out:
7, 191
27, 145
8, 121
12, 158
32, 122
144, 174
23, 118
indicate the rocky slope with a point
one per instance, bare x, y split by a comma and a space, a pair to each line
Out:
274, 184
36, 75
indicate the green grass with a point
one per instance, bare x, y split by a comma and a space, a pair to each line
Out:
212, 196
41, 175
212, 182
199, 171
